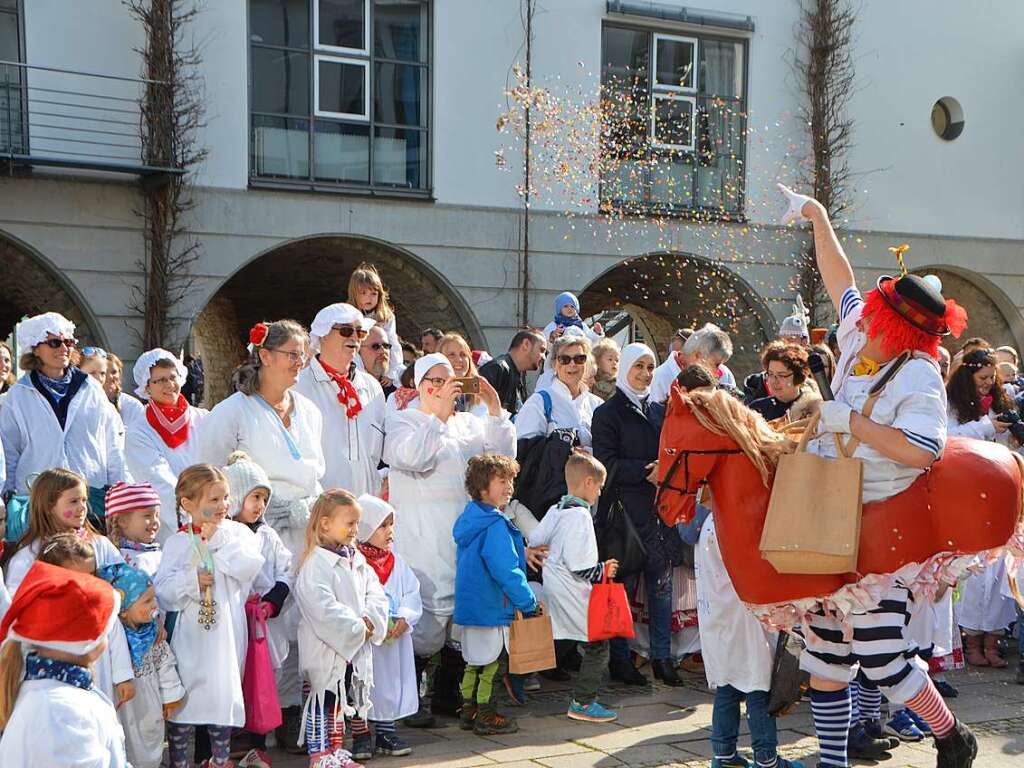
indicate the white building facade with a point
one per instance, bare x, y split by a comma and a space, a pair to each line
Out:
346, 130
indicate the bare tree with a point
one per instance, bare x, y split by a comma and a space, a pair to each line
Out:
171, 116
823, 64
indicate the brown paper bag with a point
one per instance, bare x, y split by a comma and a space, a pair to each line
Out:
531, 644
813, 520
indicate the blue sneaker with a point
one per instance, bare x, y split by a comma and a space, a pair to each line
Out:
922, 726
903, 727
781, 762
362, 747
735, 761
592, 713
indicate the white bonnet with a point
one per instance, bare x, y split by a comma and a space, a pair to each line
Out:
336, 314
35, 329
375, 512
143, 366
425, 363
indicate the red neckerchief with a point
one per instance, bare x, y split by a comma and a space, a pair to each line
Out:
347, 394
381, 560
197, 530
986, 404
172, 422
404, 396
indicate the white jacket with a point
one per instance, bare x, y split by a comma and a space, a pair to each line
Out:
566, 412
570, 535
664, 375
395, 684
33, 440
352, 447
277, 566
428, 460
151, 460
210, 660
131, 408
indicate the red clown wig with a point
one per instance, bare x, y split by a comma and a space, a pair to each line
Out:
897, 333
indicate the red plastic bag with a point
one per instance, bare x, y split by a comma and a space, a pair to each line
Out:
259, 687
608, 614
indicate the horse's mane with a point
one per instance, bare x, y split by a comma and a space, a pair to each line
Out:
721, 413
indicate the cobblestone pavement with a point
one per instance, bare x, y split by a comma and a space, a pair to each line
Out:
665, 726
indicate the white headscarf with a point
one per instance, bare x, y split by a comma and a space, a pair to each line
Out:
630, 354
425, 363
144, 365
332, 315
375, 512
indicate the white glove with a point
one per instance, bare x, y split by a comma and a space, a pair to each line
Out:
835, 416
796, 204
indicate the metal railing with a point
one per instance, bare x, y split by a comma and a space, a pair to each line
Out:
64, 118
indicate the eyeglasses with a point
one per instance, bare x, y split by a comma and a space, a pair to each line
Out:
778, 376
163, 380
377, 346
437, 381
567, 359
93, 352
347, 331
294, 357
58, 343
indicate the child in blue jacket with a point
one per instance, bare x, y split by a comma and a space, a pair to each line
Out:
490, 585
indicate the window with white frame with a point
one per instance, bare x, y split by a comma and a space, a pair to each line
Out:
675, 115
339, 93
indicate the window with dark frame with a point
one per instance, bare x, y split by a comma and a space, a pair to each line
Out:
13, 119
675, 122
339, 93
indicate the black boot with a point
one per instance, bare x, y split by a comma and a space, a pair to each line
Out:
957, 749
287, 733
423, 718
623, 671
666, 672
861, 746
447, 696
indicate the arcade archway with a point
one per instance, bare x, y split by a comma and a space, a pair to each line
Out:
990, 313
298, 278
664, 291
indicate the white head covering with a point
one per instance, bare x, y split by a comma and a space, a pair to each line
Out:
336, 314
427, 362
34, 330
375, 512
630, 354
144, 365
244, 476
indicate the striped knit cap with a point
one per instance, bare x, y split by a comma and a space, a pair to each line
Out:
127, 497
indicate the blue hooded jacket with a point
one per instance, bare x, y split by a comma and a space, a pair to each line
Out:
490, 569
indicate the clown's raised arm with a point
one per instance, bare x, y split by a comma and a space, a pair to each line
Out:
835, 269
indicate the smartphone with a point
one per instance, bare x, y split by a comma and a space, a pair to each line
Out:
470, 384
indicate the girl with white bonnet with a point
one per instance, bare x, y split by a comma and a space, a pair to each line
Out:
428, 447
57, 416
165, 439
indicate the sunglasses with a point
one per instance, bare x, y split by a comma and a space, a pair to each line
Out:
377, 346
93, 352
567, 359
347, 331
58, 343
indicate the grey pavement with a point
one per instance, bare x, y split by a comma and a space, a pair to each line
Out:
663, 726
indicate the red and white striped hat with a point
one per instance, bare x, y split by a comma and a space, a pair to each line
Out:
127, 497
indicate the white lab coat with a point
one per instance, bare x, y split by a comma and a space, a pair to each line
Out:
983, 605
395, 686
352, 447
428, 460
334, 593
395, 364
57, 725
590, 333
151, 460
131, 408
570, 535
737, 649
277, 566
33, 440
566, 413
115, 664
664, 375
211, 659
147, 562
156, 684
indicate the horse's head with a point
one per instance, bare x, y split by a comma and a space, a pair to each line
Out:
692, 444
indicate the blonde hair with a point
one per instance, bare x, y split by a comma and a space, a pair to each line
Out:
65, 548
325, 507
367, 276
603, 347
582, 465
455, 338
12, 669
192, 484
43, 497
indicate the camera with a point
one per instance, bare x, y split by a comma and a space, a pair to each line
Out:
1016, 425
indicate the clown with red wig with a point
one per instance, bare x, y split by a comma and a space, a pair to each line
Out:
904, 434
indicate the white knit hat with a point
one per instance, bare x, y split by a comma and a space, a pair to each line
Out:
425, 363
796, 324
336, 314
35, 329
375, 512
244, 476
144, 366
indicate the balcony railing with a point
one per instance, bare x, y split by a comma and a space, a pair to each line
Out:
67, 119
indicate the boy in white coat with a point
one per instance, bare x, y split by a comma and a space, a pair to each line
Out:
395, 687
570, 569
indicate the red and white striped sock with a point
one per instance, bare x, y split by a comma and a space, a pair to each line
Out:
929, 706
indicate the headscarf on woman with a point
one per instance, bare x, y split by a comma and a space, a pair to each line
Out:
630, 354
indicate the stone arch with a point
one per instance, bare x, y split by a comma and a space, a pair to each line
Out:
297, 278
990, 312
665, 291
30, 284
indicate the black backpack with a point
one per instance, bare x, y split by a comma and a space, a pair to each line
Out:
542, 459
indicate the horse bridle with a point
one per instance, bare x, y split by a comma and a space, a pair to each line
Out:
684, 457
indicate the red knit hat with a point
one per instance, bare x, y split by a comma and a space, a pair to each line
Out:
60, 609
127, 497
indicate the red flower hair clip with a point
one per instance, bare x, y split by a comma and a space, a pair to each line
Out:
258, 334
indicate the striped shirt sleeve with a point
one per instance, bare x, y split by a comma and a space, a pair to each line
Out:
850, 300
593, 575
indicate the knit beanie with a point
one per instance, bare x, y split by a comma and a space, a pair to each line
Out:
244, 476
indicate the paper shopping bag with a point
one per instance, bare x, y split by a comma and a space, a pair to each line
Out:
813, 519
531, 644
608, 614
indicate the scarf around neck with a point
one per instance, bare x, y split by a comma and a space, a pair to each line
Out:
140, 640
347, 394
172, 422
41, 668
381, 560
138, 546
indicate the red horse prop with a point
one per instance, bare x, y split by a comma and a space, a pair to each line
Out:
969, 502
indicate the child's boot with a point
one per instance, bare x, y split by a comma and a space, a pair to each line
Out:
390, 744
973, 652
992, 655
489, 721
362, 746
467, 715
732, 761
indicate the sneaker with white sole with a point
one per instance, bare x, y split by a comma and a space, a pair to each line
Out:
255, 758
903, 727
591, 713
